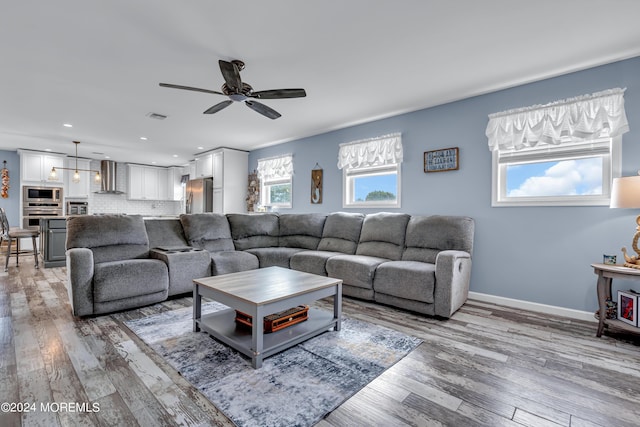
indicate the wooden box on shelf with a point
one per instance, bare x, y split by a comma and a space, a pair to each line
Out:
276, 321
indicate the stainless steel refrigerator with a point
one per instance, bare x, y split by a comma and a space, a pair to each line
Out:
199, 195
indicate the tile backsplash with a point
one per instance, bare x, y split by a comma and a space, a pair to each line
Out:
118, 203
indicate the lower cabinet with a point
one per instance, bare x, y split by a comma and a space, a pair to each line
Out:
53, 232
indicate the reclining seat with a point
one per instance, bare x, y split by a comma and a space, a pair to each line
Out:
297, 233
340, 236
211, 232
108, 265
381, 240
433, 276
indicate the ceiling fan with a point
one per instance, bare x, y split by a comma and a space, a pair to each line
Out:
238, 91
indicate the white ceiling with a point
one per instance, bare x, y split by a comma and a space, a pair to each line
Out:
97, 65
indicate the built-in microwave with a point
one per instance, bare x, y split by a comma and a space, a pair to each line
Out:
41, 194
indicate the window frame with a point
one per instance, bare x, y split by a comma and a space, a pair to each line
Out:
265, 191
611, 168
348, 192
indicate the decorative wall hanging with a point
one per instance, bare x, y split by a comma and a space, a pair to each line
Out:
445, 159
253, 192
4, 191
316, 185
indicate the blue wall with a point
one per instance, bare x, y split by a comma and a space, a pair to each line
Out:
536, 254
12, 204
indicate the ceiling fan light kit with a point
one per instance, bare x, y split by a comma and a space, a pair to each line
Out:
238, 91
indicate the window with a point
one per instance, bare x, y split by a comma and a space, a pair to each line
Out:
371, 172
276, 177
565, 153
578, 173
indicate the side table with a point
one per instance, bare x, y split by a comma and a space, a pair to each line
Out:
606, 273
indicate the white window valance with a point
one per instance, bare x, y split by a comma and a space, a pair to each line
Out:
586, 117
275, 167
380, 151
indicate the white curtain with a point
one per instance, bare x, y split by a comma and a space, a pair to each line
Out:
383, 150
275, 167
586, 117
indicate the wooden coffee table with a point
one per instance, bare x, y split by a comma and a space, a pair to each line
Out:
259, 293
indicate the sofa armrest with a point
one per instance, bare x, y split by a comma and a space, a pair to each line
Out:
80, 280
183, 266
453, 272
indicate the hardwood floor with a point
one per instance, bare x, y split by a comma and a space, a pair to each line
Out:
488, 365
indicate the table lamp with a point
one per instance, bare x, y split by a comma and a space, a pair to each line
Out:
625, 193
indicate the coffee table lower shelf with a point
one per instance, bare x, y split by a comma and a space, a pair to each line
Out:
222, 326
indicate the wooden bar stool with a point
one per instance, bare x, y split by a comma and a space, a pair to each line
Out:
14, 233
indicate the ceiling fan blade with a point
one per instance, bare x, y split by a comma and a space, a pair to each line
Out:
231, 74
195, 89
279, 93
263, 109
218, 107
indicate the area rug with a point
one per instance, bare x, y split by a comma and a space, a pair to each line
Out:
297, 387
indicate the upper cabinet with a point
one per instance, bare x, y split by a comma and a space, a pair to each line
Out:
82, 188
35, 167
204, 166
153, 183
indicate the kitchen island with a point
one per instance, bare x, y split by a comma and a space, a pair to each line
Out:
53, 236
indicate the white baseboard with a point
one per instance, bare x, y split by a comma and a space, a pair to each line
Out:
534, 306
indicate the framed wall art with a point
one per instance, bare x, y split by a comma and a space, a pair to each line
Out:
445, 159
628, 307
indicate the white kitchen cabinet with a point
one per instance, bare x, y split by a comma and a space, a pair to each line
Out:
192, 170
78, 189
36, 167
230, 172
174, 183
144, 182
204, 165
218, 168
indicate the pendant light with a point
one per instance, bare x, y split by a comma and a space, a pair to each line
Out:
53, 175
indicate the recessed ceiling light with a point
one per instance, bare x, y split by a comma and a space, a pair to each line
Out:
47, 149
144, 138
67, 125
200, 148
153, 163
107, 157
175, 155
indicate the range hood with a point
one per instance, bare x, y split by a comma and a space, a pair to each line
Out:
108, 169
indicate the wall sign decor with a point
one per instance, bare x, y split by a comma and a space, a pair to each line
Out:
316, 185
445, 159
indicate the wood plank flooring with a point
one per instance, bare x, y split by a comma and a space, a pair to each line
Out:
487, 366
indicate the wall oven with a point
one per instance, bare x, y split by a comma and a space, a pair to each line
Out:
41, 194
39, 202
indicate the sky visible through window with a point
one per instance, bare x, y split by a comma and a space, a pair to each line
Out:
368, 184
576, 177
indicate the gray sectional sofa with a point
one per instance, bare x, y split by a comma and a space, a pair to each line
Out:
417, 263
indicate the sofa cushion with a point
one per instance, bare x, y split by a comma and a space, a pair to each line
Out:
254, 231
116, 280
301, 230
314, 262
383, 235
207, 231
110, 237
411, 280
341, 232
354, 270
165, 232
270, 257
428, 235
224, 262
